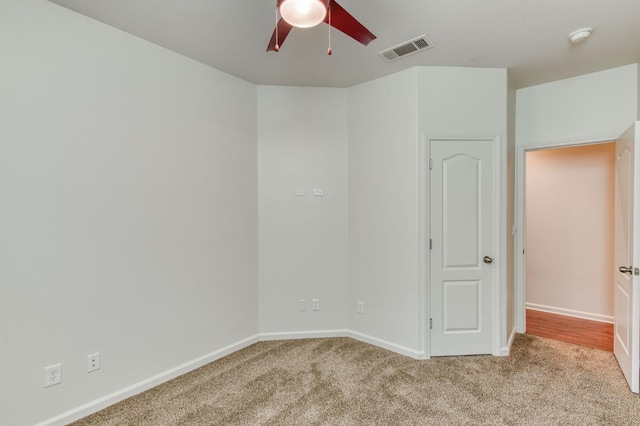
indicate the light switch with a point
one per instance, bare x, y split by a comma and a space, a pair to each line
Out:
318, 192
298, 192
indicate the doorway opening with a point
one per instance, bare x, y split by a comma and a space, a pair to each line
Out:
569, 243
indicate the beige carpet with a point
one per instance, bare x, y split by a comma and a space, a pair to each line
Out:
341, 381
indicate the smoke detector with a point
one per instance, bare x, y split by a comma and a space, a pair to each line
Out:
580, 35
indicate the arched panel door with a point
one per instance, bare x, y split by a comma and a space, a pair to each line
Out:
463, 257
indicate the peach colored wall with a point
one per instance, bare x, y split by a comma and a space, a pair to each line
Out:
569, 226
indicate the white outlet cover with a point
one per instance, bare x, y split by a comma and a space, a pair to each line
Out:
317, 192
52, 375
93, 362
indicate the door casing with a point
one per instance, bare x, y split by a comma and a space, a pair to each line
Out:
520, 219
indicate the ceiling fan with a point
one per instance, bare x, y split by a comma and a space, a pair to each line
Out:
309, 13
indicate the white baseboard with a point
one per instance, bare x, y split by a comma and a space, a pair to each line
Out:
122, 394
570, 313
344, 333
402, 350
303, 335
506, 350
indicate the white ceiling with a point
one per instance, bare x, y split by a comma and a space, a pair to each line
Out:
529, 37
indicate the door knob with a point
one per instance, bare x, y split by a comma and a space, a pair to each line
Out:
487, 259
625, 269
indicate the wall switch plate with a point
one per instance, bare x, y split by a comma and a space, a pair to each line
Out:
317, 192
315, 305
360, 307
302, 305
298, 192
93, 362
52, 375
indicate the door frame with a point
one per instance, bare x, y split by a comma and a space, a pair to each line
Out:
424, 220
520, 217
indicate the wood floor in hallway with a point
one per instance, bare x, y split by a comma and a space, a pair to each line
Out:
592, 334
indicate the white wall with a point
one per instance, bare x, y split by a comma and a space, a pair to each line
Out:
472, 102
462, 101
388, 119
569, 209
302, 145
128, 222
383, 208
590, 107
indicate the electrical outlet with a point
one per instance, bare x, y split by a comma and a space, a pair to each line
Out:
52, 375
93, 362
302, 305
315, 305
360, 307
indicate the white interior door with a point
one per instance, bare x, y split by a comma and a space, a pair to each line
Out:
463, 244
627, 258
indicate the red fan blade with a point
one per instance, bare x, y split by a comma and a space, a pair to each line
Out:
343, 21
283, 32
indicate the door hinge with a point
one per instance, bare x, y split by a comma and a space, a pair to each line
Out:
430, 243
430, 164
430, 323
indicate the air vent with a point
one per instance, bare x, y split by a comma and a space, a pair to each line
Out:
408, 48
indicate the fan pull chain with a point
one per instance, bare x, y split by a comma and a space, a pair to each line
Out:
277, 46
329, 51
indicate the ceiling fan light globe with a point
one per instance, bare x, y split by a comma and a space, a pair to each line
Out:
303, 13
